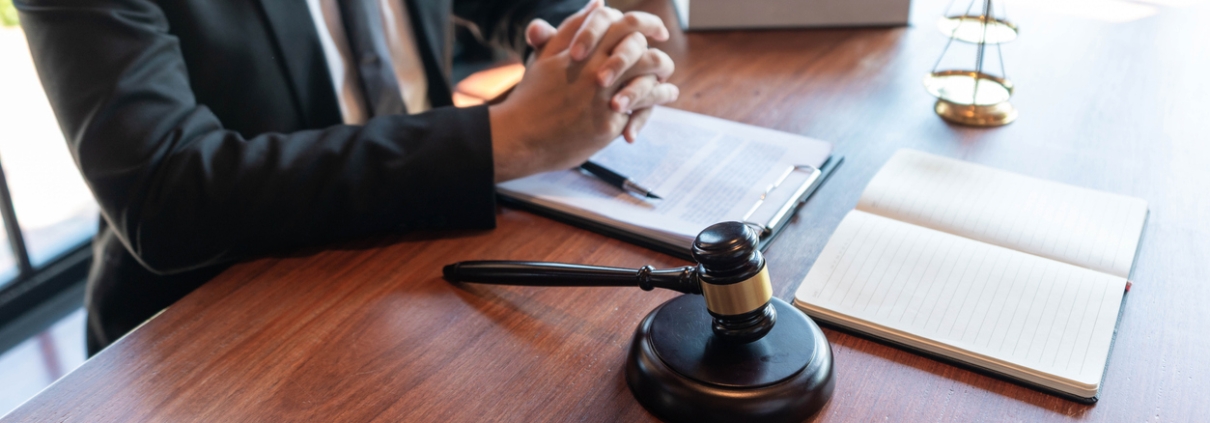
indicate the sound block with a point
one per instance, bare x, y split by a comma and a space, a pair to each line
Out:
681, 372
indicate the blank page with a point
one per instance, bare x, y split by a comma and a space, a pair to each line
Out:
1080, 226
1030, 317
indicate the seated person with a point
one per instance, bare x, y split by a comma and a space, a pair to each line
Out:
212, 131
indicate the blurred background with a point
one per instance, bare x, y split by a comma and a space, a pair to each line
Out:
49, 217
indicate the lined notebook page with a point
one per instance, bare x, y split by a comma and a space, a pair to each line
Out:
980, 303
1084, 227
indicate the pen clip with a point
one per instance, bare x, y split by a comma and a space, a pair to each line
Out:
785, 201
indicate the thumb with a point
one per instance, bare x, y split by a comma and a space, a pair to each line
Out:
539, 33
561, 40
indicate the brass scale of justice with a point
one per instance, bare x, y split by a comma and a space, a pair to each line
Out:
729, 350
974, 98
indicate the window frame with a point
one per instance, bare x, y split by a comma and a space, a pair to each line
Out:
33, 286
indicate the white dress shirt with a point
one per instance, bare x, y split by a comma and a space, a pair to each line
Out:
401, 42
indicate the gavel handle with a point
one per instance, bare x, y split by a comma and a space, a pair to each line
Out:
533, 273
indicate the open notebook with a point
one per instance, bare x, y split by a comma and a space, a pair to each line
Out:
708, 170
1011, 274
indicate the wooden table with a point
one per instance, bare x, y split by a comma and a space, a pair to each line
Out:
369, 331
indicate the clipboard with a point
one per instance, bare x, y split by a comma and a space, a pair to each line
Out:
770, 215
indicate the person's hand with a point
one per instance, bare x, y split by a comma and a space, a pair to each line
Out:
596, 25
560, 114
583, 31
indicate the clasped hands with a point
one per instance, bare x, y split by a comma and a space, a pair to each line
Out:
590, 80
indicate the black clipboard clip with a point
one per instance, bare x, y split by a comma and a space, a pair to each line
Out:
776, 204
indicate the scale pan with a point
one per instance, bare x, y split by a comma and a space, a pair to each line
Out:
969, 28
959, 87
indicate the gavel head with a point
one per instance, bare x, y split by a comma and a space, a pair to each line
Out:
734, 281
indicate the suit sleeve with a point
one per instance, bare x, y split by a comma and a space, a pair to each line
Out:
503, 23
182, 192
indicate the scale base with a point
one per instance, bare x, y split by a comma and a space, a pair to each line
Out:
998, 114
680, 371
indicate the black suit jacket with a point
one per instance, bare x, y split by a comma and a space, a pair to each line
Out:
209, 132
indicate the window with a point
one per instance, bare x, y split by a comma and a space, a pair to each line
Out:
47, 211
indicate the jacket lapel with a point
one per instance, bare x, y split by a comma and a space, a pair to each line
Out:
303, 61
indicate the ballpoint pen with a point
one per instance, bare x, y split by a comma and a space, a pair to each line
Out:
617, 180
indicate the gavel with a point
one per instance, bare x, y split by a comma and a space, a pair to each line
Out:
730, 274
746, 366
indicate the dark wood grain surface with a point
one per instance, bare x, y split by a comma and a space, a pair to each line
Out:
369, 331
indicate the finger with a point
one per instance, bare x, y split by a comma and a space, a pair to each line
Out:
567, 29
638, 88
574, 21
659, 94
654, 62
589, 34
637, 120
643, 23
624, 55
539, 32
